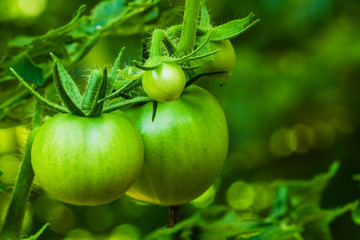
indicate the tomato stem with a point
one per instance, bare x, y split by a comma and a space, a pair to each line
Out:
173, 215
190, 22
13, 222
157, 38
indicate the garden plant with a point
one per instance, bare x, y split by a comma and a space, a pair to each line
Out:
141, 146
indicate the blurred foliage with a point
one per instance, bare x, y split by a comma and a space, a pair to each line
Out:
292, 103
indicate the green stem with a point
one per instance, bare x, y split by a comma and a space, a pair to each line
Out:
13, 223
157, 38
188, 35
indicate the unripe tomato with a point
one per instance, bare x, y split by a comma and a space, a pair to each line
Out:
165, 83
185, 148
87, 161
224, 60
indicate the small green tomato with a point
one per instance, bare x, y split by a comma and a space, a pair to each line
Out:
165, 83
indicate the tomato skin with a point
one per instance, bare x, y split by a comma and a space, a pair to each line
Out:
87, 161
185, 148
224, 60
165, 83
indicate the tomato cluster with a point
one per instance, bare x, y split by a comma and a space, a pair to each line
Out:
166, 152
174, 159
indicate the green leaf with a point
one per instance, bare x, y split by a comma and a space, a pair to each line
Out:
92, 89
55, 40
278, 233
356, 214
233, 28
66, 81
64, 89
126, 103
43, 100
97, 107
27, 69
307, 192
114, 70
316, 221
118, 17
37, 235
105, 14
205, 22
298, 202
21, 41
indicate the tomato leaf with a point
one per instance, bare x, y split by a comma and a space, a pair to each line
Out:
43, 100
300, 192
114, 70
62, 77
37, 235
27, 69
65, 88
95, 81
97, 107
205, 22
126, 103
233, 28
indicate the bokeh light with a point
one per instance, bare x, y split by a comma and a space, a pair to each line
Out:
61, 218
240, 195
8, 140
79, 234
100, 218
31, 8
299, 138
125, 232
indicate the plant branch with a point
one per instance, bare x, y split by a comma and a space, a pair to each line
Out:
13, 223
188, 35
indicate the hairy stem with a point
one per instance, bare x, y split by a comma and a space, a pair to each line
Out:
157, 38
13, 223
188, 35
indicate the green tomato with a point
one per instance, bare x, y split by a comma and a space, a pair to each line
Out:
185, 148
165, 83
87, 161
224, 60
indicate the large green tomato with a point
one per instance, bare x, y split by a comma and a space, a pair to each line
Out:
185, 148
224, 60
87, 161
